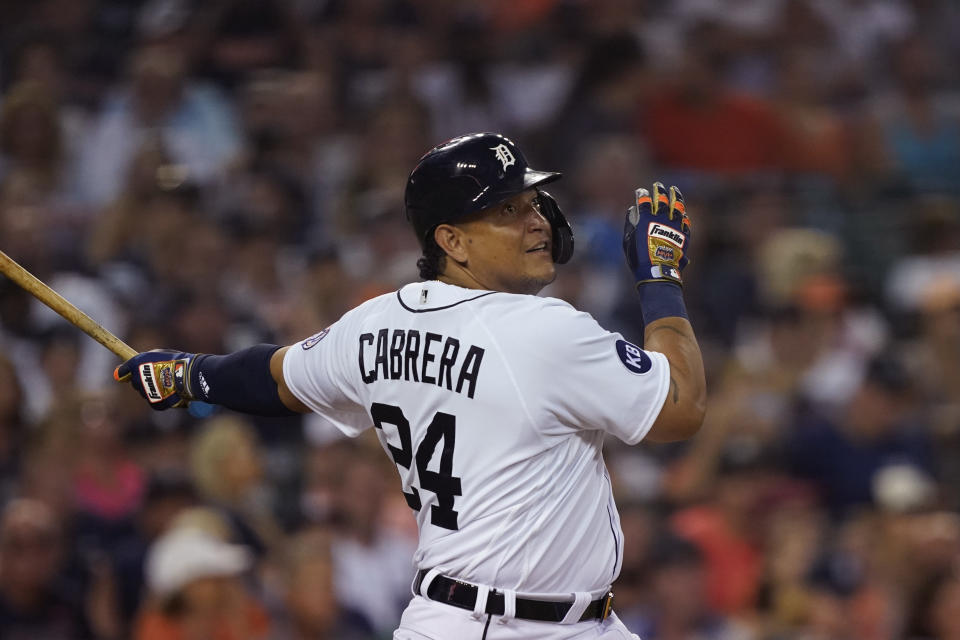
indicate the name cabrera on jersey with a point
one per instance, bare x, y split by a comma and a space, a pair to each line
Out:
494, 408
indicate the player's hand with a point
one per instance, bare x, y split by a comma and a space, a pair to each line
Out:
656, 235
161, 376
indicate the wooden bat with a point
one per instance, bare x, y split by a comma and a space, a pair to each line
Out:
61, 305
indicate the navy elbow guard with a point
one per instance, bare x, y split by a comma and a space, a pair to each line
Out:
240, 381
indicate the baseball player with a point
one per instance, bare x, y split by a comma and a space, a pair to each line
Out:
492, 402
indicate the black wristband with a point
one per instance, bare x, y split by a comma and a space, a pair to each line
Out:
661, 300
240, 381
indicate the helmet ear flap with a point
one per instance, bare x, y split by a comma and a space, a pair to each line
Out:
561, 230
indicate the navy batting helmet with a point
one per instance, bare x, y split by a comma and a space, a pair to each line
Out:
473, 172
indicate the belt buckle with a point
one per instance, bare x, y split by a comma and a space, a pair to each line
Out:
607, 606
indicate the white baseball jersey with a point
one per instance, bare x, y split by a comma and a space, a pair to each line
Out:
494, 407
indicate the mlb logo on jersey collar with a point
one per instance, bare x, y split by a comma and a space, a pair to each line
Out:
438, 295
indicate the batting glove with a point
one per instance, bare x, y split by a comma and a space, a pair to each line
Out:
656, 236
162, 377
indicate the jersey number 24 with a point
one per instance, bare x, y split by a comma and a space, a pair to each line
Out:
443, 483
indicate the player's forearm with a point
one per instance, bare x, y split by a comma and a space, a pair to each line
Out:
687, 396
656, 241
668, 331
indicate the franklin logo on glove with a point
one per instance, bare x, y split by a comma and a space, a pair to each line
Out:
149, 383
657, 230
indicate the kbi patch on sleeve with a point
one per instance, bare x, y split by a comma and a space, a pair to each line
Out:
315, 339
633, 357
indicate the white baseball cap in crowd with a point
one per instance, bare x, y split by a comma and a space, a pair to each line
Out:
903, 488
185, 554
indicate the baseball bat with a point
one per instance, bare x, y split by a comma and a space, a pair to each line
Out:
38, 289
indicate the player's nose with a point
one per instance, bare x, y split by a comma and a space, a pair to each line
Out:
536, 221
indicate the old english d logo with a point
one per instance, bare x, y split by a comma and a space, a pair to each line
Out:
504, 155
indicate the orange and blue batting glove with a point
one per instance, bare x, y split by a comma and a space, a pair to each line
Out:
656, 235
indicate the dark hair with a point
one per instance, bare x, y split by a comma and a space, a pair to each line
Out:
431, 263
671, 550
888, 373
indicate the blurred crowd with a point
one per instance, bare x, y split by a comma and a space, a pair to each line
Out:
207, 175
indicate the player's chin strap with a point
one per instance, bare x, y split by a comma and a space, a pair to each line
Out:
581, 600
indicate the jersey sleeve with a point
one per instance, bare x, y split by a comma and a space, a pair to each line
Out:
577, 375
318, 372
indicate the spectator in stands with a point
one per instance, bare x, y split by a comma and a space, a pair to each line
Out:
167, 496
842, 454
35, 180
197, 590
678, 603
604, 96
115, 234
309, 598
930, 253
641, 526
237, 37
727, 527
693, 122
30, 137
108, 484
795, 531
34, 602
933, 363
913, 136
194, 121
227, 468
826, 611
371, 561
605, 167
816, 140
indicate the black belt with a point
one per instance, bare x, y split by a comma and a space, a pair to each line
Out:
464, 595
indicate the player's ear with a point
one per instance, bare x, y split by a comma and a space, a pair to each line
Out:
452, 240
